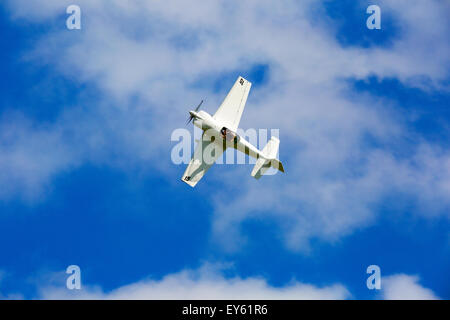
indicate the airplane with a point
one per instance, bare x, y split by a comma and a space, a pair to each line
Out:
219, 133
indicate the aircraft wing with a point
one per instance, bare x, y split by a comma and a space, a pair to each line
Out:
206, 153
230, 111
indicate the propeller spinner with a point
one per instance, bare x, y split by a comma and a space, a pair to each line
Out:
196, 109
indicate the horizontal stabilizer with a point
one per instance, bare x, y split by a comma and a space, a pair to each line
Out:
268, 160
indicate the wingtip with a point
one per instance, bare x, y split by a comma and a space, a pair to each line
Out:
189, 183
245, 80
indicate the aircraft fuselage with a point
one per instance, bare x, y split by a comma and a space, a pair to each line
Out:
211, 127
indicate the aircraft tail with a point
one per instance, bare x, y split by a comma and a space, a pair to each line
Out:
269, 160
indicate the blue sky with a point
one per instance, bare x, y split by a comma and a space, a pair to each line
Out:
86, 175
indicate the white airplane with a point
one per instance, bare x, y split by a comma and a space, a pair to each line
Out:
219, 133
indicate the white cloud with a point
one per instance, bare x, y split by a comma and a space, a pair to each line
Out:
210, 283
157, 51
29, 155
205, 283
422, 25
405, 287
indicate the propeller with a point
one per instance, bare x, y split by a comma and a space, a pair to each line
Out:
196, 109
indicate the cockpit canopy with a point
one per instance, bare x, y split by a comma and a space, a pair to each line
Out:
229, 135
